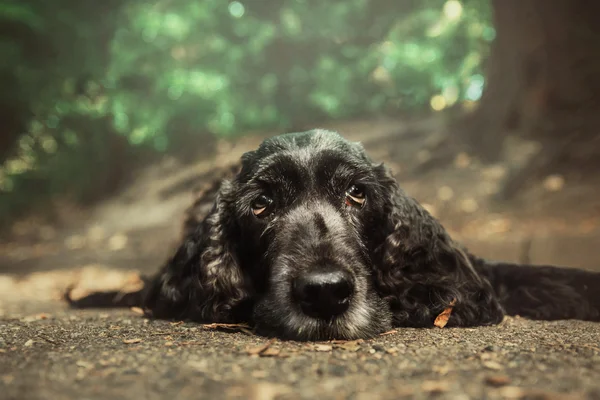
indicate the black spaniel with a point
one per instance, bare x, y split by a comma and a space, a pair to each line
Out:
311, 240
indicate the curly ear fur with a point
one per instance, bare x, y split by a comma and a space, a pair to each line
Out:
422, 271
203, 280
205, 196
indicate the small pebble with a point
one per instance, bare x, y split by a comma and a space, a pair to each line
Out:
378, 347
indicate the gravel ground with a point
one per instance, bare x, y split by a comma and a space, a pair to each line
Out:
119, 354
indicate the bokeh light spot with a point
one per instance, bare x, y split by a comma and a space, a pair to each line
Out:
49, 144
236, 9
176, 26
121, 121
438, 102
475, 88
453, 9
489, 33
451, 94
139, 135
52, 121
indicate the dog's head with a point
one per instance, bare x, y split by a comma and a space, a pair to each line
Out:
310, 209
310, 241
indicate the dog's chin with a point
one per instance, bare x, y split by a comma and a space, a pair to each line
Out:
364, 319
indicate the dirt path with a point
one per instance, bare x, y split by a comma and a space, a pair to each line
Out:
47, 351
119, 355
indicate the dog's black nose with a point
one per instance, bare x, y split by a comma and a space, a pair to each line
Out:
323, 294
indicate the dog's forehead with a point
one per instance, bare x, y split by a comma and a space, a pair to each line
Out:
303, 148
308, 141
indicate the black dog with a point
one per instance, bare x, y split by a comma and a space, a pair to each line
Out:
311, 240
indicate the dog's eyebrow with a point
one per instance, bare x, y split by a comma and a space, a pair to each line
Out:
277, 166
297, 166
338, 166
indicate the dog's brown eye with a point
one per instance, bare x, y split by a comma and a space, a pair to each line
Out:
355, 196
261, 204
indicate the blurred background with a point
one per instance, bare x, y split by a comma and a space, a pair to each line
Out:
113, 112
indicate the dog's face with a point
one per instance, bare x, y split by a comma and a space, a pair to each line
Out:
309, 213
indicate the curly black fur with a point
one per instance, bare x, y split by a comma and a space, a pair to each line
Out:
233, 266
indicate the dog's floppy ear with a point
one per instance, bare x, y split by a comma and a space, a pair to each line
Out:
202, 281
420, 271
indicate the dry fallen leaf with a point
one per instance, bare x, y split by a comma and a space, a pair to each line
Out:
131, 341
323, 347
261, 348
270, 352
226, 326
442, 319
351, 345
137, 310
497, 380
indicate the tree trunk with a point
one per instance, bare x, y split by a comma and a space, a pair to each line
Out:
543, 83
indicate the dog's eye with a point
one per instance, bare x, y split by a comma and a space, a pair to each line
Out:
355, 196
261, 204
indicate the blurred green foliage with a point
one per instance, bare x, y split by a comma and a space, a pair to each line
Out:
89, 81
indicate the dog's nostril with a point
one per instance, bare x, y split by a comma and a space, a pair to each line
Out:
324, 294
343, 291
